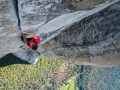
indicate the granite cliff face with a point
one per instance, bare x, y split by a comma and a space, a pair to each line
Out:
88, 37
33, 13
8, 28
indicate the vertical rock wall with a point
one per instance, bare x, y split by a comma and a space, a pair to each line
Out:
91, 40
33, 13
8, 27
90, 37
94, 40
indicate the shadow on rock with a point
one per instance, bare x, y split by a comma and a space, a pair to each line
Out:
9, 60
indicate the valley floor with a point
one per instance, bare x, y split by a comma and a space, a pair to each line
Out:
51, 74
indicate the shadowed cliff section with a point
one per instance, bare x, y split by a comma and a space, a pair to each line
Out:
94, 40
9, 60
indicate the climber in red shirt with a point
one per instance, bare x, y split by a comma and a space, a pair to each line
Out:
31, 42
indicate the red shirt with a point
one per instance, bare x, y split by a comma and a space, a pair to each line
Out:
35, 40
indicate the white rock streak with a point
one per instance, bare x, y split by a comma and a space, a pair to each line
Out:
67, 19
62, 22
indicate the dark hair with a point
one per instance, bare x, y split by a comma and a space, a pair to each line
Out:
34, 47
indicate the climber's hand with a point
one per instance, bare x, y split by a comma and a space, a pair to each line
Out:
24, 32
31, 34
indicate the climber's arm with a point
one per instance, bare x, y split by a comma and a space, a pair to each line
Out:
32, 34
25, 39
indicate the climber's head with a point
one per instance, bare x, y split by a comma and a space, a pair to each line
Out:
33, 45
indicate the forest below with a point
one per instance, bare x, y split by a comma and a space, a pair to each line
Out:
51, 74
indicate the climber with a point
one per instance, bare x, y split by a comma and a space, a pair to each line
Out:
31, 42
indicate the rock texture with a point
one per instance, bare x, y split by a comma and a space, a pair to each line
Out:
8, 28
33, 13
94, 40
88, 37
86, 4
